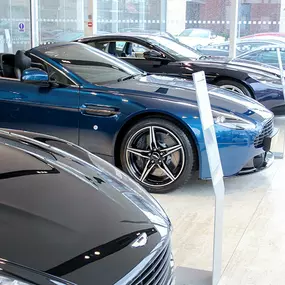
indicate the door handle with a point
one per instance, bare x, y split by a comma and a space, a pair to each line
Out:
99, 110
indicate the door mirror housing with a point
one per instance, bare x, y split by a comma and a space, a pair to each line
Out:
154, 55
35, 76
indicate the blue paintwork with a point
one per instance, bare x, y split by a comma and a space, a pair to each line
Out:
60, 112
34, 75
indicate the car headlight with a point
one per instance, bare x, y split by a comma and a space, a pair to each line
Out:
273, 81
232, 122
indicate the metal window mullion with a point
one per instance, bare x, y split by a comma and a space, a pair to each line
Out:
34, 22
233, 28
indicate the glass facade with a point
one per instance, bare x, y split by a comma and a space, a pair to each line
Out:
15, 26
60, 20
203, 21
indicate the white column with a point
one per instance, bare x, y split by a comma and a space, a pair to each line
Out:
142, 14
34, 8
233, 28
94, 16
80, 15
175, 16
115, 16
163, 15
282, 16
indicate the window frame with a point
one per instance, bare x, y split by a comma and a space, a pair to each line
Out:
75, 84
108, 41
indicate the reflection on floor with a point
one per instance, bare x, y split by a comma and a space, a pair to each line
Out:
254, 224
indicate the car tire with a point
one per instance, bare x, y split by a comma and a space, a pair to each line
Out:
153, 147
231, 84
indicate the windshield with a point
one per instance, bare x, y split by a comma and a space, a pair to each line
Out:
89, 63
195, 33
177, 50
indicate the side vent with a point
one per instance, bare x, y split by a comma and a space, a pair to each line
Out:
162, 90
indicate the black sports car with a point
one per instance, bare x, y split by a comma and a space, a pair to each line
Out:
160, 55
68, 219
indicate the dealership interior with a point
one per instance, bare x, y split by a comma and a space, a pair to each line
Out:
168, 168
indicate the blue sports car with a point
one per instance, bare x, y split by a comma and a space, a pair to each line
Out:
148, 125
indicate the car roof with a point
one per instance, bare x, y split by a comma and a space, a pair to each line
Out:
121, 35
43, 48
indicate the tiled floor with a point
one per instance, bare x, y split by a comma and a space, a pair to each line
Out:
254, 225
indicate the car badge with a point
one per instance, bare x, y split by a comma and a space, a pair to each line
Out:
140, 241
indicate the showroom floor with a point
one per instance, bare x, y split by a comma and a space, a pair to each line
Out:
254, 227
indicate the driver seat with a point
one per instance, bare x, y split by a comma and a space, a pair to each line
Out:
129, 49
112, 48
22, 62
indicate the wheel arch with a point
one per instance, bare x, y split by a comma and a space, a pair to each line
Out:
154, 114
222, 77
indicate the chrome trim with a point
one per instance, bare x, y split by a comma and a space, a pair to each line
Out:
75, 84
8, 78
39, 105
130, 277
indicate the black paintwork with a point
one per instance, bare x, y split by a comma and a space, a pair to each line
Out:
216, 68
57, 208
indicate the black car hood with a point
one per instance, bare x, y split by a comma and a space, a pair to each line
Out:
70, 218
183, 90
251, 67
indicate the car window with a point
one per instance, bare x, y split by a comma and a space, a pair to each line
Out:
90, 64
196, 33
247, 46
98, 45
122, 48
222, 47
177, 50
131, 50
266, 56
53, 73
251, 56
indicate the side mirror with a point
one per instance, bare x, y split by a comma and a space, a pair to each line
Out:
154, 55
35, 76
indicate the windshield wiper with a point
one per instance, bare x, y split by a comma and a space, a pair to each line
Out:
131, 76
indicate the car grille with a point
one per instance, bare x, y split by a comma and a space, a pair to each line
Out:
158, 272
266, 131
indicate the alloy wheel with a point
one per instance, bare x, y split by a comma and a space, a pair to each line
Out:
233, 88
155, 156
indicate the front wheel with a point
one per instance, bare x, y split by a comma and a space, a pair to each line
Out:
158, 155
234, 86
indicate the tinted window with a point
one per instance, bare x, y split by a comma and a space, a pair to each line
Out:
177, 50
122, 48
265, 56
247, 46
90, 64
53, 73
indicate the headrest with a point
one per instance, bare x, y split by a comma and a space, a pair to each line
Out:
129, 48
22, 61
112, 48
